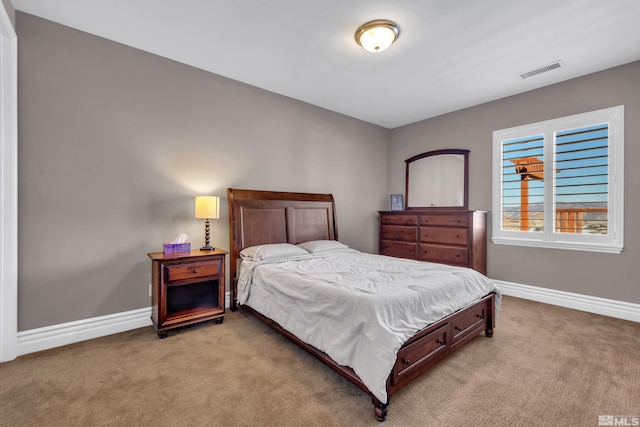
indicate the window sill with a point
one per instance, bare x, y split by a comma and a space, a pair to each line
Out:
588, 247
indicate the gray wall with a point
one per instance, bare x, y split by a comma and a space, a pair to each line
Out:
114, 145
595, 274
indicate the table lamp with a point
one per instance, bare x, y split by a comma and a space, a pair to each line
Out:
207, 207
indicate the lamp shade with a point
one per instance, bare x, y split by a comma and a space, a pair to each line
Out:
208, 207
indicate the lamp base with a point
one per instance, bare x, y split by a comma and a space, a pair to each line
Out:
207, 248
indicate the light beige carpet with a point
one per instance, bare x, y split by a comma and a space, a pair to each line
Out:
545, 366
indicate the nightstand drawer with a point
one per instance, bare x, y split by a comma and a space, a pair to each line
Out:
192, 270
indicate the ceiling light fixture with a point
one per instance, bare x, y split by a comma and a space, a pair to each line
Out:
376, 36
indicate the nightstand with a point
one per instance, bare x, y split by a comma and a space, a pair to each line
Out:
187, 288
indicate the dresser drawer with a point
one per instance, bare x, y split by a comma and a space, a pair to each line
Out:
448, 220
443, 254
399, 219
392, 232
420, 352
192, 270
453, 235
398, 249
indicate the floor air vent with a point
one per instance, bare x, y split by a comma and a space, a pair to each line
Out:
543, 69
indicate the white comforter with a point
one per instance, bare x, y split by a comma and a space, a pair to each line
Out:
356, 307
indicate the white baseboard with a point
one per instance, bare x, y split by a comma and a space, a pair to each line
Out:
53, 336
80, 330
607, 307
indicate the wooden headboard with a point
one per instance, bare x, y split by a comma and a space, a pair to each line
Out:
259, 217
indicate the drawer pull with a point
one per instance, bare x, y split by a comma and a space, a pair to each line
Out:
458, 256
479, 315
440, 342
406, 361
195, 270
457, 328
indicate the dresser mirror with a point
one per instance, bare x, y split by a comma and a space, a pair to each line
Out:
438, 179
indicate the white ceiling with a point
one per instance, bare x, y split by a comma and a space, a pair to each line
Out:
450, 54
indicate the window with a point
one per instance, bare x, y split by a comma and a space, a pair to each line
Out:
559, 183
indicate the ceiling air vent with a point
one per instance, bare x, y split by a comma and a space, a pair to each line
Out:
543, 69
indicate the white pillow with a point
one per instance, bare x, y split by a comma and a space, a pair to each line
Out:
314, 246
271, 251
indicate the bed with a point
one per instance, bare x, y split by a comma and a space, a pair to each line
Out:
288, 221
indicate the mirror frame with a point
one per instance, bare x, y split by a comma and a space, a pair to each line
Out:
465, 196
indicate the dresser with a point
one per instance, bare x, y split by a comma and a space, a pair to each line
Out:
455, 237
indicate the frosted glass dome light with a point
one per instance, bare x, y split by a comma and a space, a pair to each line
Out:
376, 36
